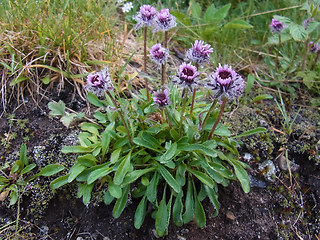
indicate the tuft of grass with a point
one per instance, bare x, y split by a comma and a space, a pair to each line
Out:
47, 41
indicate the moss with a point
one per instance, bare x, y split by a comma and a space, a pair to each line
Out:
245, 119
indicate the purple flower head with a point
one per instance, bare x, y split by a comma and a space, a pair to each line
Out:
226, 82
145, 16
306, 22
188, 76
158, 54
200, 52
99, 82
164, 21
161, 97
276, 26
314, 47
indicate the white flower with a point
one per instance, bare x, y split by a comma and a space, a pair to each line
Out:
119, 1
127, 7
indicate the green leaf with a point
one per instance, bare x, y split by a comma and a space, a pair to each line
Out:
243, 177
46, 80
107, 198
76, 149
17, 165
17, 80
313, 25
197, 147
23, 154
182, 18
213, 196
195, 9
209, 13
90, 127
101, 117
68, 118
189, 204
213, 173
84, 191
147, 140
169, 179
250, 81
308, 77
57, 108
75, 170
198, 210
98, 173
87, 160
162, 222
140, 213
50, 170
122, 170
262, 97
105, 141
134, 175
13, 198
59, 182
28, 168
180, 174
169, 154
297, 32
151, 192
219, 14
222, 131
115, 190
115, 155
144, 143
238, 24
251, 132
219, 168
204, 178
93, 99
177, 210
274, 39
121, 203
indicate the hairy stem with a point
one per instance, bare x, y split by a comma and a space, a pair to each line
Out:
315, 60
163, 75
184, 103
218, 118
145, 62
209, 112
121, 116
193, 98
166, 115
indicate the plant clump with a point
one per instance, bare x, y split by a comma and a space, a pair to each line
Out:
174, 161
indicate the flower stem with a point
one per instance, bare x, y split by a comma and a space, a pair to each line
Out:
209, 112
277, 55
184, 103
121, 116
145, 62
163, 75
165, 113
165, 43
315, 60
194, 93
193, 98
218, 118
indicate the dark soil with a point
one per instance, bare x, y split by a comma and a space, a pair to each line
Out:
276, 209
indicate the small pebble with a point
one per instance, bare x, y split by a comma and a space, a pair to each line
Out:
247, 156
268, 170
284, 166
230, 216
181, 238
